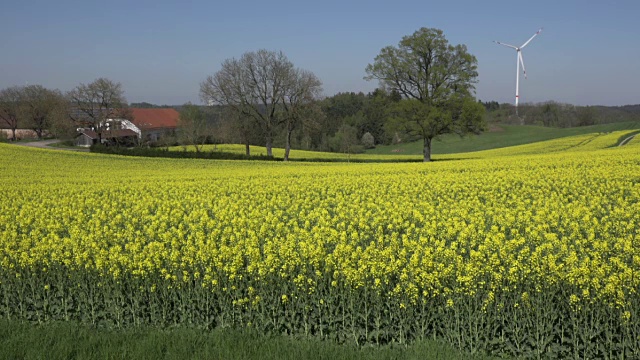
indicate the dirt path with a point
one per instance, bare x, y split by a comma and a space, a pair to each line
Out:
625, 141
44, 144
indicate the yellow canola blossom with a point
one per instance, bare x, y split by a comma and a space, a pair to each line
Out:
407, 229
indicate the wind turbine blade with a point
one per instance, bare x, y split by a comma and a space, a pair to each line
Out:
522, 63
528, 41
507, 45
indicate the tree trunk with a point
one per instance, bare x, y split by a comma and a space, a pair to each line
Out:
269, 146
13, 131
247, 148
427, 150
287, 146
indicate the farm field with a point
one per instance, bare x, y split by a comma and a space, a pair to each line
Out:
581, 142
529, 251
634, 141
501, 136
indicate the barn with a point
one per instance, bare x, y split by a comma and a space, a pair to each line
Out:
145, 126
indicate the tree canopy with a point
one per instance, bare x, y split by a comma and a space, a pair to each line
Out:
437, 82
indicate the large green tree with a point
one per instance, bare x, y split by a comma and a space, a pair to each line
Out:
437, 81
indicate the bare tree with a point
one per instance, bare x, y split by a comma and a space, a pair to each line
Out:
193, 127
301, 91
237, 127
10, 103
253, 86
41, 108
96, 103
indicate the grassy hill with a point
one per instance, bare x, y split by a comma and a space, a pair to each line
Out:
506, 140
500, 136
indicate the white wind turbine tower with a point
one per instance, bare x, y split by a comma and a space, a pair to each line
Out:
519, 61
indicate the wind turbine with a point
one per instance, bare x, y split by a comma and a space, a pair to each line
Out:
519, 61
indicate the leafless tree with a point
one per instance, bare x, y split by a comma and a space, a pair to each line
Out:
253, 86
10, 104
237, 127
301, 91
96, 103
41, 108
194, 128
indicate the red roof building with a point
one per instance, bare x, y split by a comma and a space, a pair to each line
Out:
144, 126
148, 119
152, 124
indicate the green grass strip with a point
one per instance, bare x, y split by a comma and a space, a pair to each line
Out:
62, 340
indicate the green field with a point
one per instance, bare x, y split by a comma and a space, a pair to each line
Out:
499, 136
521, 140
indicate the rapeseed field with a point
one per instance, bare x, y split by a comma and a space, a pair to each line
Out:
514, 252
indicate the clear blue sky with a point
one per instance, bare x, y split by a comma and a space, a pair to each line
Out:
160, 51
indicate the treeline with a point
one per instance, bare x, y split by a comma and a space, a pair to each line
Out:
353, 122
36, 108
346, 122
554, 114
52, 113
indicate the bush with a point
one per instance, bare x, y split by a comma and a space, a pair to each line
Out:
165, 153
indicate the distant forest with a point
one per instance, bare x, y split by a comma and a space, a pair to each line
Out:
553, 114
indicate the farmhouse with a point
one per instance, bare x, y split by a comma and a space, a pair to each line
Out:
144, 126
152, 124
113, 137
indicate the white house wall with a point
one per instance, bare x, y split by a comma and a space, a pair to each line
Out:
126, 124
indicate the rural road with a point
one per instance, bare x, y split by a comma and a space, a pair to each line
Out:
44, 144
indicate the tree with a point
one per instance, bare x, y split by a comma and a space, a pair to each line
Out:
346, 140
587, 115
301, 91
10, 103
42, 108
437, 79
97, 103
368, 141
375, 113
340, 106
193, 127
254, 86
550, 113
237, 127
